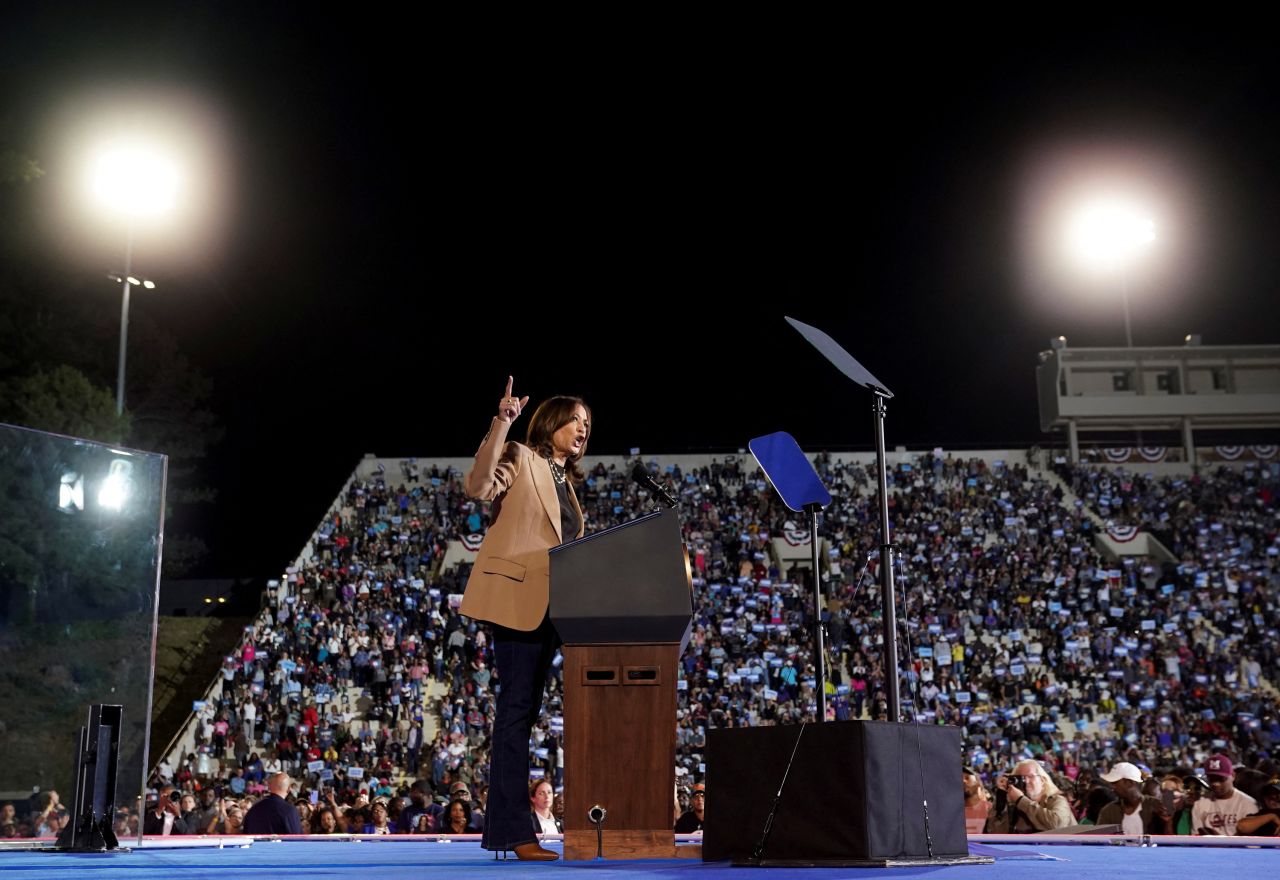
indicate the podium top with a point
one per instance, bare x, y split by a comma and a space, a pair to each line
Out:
629, 584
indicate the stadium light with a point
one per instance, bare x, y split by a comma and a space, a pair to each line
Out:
135, 182
1107, 235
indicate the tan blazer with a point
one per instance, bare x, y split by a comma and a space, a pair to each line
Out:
509, 584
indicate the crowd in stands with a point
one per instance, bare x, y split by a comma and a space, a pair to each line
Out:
1015, 626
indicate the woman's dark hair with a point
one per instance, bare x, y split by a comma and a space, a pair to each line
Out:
550, 416
316, 827
448, 816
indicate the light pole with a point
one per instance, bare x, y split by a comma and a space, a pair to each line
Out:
124, 318
1108, 235
129, 281
135, 183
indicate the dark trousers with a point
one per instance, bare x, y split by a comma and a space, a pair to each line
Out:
522, 660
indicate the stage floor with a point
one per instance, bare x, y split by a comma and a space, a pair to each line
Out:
396, 858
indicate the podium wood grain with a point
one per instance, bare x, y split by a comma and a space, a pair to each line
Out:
620, 748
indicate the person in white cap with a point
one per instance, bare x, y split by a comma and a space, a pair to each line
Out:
1134, 812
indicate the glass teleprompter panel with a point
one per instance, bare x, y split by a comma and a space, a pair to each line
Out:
80, 543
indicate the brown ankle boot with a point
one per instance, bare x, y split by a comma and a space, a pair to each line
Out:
533, 852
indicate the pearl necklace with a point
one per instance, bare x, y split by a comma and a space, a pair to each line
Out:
557, 472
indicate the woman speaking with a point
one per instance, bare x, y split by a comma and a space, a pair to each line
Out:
534, 509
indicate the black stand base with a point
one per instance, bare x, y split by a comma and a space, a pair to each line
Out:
92, 837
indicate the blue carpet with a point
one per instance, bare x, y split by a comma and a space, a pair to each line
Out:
393, 860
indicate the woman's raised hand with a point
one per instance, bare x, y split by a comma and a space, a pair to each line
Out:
509, 407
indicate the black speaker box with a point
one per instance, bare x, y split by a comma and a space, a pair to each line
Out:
854, 793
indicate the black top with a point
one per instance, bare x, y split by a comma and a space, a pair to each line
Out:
569, 520
688, 823
153, 824
272, 815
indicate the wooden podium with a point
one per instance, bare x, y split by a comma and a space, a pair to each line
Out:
622, 602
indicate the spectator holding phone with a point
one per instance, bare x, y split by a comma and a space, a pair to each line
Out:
1226, 806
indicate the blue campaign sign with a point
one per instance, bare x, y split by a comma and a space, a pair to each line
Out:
1047, 727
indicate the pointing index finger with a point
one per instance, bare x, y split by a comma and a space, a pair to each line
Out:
508, 391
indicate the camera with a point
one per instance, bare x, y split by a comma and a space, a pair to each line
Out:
175, 795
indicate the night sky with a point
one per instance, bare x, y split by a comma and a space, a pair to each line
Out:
409, 210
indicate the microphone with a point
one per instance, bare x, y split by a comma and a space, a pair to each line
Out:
640, 474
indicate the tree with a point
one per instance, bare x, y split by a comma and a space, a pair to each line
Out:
63, 401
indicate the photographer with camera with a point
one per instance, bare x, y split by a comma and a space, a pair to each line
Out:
165, 817
1027, 800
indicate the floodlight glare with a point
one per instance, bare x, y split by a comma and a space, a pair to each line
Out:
1107, 233
135, 181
